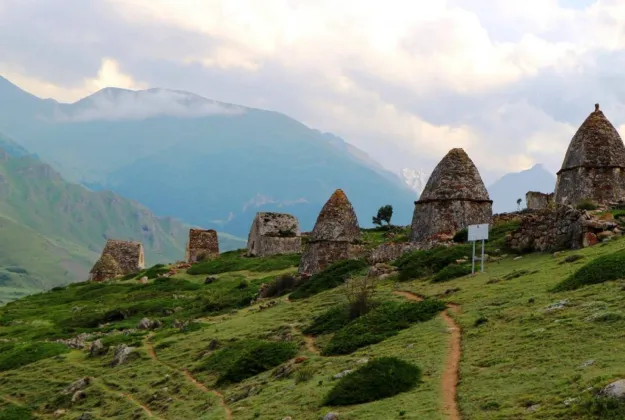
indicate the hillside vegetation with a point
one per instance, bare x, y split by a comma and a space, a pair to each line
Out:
218, 352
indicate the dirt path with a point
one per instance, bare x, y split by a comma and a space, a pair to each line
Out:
449, 380
310, 344
190, 378
137, 403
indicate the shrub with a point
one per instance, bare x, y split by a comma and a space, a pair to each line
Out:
601, 407
360, 292
14, 412
304, 374
329, 321
378, 379
236, 261
452, 271
383, 322
247, 358
333, 276
461, 236
602, 269
586, 205
423, 263
13, 356
279, 286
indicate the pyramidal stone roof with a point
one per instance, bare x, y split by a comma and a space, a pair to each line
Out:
106, 265
455, 178
595, 144
337, 220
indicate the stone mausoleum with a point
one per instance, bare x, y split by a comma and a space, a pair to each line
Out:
128, 255
594, 164
203, 244
273, 234
453, 198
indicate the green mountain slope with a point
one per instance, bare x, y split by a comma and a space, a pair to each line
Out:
53, 231
220, 357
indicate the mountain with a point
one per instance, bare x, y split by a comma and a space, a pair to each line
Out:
508, 189
53, 231
204, 162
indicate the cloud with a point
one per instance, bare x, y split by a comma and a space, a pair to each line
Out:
404, 80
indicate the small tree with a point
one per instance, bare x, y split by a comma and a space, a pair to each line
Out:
385, 213
360, 292
518, 204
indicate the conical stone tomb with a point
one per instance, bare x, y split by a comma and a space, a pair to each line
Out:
453, 198
594, 164
335, 237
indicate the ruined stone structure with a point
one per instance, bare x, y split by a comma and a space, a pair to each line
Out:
454, 197
390, 251
336, 236
274, 233
202, 245
536, 200
127, 254
105, 268
594, 164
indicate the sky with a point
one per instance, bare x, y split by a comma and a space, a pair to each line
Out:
404, 80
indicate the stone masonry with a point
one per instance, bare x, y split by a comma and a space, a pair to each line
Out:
274, 233
336, 236
105, 268
594, 165
536, 200
202, 245
128, 254
453, 198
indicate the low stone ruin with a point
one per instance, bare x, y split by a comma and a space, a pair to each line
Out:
127, 254
336, 236
203, 244
273, 234
453, 198
536, 200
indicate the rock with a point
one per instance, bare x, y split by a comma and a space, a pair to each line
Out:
209, 280
590, 239
587, 363
59, 413
213, 345
533, 408
121, 355
331, 416
143, 280
78, 395
77, 385
558, 305
85, 416
283, 371
300, 360
517, 258
363, 361
342, 374
288, 418
77, 342
569, 401
178, 324
615, 390
605, 235
148, 324
97, 348
461, 261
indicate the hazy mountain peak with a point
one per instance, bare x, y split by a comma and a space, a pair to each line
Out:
510, 187
112, 104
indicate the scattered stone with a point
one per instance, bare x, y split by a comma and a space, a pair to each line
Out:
97, 348
85, 416
58, 413
122, 353
342, 374
78, 395
363, 361
615, 390
569, 401
288, 418
213, 345
77, 385
148, 324
77, 342
461, 261
331, 416
209, 280
493, 281
571, 258
605, 235
558, 305
533, 408
409, 346
517, 258
283, 371
587, 363
590, 239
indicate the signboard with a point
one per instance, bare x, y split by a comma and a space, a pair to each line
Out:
478, 232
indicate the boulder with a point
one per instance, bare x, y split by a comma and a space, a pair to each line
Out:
590, 239
122, 353
77, 385
615, 390
331, 416
148, 324
78, 395
97, 348
85, 416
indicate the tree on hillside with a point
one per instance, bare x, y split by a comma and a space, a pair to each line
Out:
518, 204
385, 213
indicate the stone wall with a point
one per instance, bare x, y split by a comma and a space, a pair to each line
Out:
390, 251
536, 200
202, 244
447, 217
508, 217
274, 233
599, 185
319, 255
105, 268
128, 254
268, 245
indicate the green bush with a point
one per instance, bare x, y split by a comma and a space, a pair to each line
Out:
280, 286
423, 263
247, 358
14, 412
333, 276
586, 205
601, 407
383, 322
304, 374
237, 261
13, 356
329, 321
602, 269
381, 378
461, 236
452, 271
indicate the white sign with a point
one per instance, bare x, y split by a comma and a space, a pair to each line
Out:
478, 232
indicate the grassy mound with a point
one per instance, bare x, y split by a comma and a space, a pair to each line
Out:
329, 321
331, 277
14, 412
605, 268
237, 261
383, 322
425, 263
378, 379
13, 356
247, 358
451, 272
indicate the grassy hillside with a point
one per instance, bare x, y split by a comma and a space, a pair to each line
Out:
53, 231
524, 350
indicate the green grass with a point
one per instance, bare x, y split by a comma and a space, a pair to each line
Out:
14, 412
605, 268
13, 356
452, 271
381, 378
333, 276
237, 261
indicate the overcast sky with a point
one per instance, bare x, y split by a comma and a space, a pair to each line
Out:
405, 80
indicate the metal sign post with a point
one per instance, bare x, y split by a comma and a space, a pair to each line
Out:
478, 233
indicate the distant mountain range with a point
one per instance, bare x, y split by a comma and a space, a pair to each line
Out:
508, 189
207, 163
53, 231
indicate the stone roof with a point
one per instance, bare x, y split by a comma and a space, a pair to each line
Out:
337, 220
202, 238
128, 254
277, 224
595, 144
106, 266
455, 178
